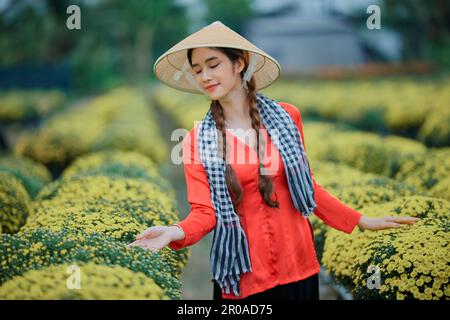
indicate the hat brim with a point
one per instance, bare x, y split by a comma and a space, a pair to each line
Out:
168, 66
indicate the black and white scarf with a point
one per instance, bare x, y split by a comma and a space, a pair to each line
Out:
229, 252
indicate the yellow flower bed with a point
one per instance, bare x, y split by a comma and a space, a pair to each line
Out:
334, 174
378, 190
354, 148
18, 105
435, 131
118, 163
354, 188
31, 174
441, 189
118, 207
143, 200
425, 171
83, 216
416, 109
184, 108
120, 119
95, 282
15, 204
40, 248
413, 261
114, 192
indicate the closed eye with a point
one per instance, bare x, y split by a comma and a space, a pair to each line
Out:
212, 67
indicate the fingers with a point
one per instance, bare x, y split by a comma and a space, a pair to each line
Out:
141, 235
404, 220
145, 234
394, 225
399, 222
133, 244
143, 245
410, 220
136, 243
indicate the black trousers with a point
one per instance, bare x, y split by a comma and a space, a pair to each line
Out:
306, 289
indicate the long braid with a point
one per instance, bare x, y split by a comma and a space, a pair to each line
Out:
265, 184
233, 184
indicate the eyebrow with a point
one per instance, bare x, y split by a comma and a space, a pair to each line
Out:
209, 59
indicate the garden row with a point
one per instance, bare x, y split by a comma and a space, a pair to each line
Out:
86, 218
121, 119
411, 108
110, 190
23, 105
384, 176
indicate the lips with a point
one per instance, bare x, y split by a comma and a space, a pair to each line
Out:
212, 87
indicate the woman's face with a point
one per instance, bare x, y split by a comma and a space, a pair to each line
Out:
215, 72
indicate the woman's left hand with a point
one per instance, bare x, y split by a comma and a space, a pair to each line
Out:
385, 222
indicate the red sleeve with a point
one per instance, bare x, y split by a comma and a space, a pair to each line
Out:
329, 209
201, 219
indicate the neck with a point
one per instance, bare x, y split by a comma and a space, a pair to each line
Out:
235, 107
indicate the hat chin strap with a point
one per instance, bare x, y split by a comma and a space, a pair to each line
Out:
254, 59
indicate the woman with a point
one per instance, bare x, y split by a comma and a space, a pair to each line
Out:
253, 187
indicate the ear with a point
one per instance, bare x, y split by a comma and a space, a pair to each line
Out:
239, 66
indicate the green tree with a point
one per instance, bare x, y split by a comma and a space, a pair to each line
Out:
118, 39
424, 26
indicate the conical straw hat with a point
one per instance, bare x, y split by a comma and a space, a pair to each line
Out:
173, 67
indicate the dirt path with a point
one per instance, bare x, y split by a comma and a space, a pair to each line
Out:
195, 278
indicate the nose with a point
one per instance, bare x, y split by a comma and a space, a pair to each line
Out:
205, 76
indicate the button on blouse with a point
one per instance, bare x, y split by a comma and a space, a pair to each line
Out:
281, 241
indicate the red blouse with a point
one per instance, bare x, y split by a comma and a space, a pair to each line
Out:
281, 241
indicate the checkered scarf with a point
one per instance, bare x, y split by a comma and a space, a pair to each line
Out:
229, 252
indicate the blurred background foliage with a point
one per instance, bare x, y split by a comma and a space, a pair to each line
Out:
117, 42
120, 40
424, 27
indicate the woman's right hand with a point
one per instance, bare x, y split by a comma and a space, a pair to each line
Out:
156, 238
